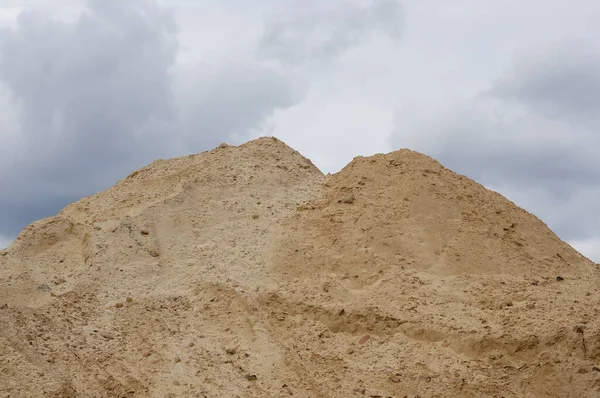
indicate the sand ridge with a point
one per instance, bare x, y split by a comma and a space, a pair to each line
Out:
245, 272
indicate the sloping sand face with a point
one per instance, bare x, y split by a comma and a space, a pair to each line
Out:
245, 272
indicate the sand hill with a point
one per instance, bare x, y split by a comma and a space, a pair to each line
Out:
245, 272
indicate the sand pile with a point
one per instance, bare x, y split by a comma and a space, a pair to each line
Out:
244, 272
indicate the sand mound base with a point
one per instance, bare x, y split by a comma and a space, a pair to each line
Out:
244, 272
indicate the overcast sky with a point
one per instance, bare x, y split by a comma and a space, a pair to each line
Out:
506, 92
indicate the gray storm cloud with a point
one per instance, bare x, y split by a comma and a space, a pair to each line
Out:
93, 98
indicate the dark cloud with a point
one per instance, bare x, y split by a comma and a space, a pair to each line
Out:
94, 100
533, 136
307, 33
561, 82
231, 98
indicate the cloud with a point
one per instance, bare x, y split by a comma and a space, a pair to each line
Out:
93, 101
230, 99
532, 136
559, 82
311, 31
344, 53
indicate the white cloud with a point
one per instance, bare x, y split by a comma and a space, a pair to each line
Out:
347, 111
8, 16
315, 31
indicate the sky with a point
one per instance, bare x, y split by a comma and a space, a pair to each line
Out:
505, 92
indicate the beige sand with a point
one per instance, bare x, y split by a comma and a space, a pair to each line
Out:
245, 272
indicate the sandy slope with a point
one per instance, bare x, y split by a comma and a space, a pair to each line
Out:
244, 272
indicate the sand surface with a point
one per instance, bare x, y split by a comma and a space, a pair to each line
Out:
245, 272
